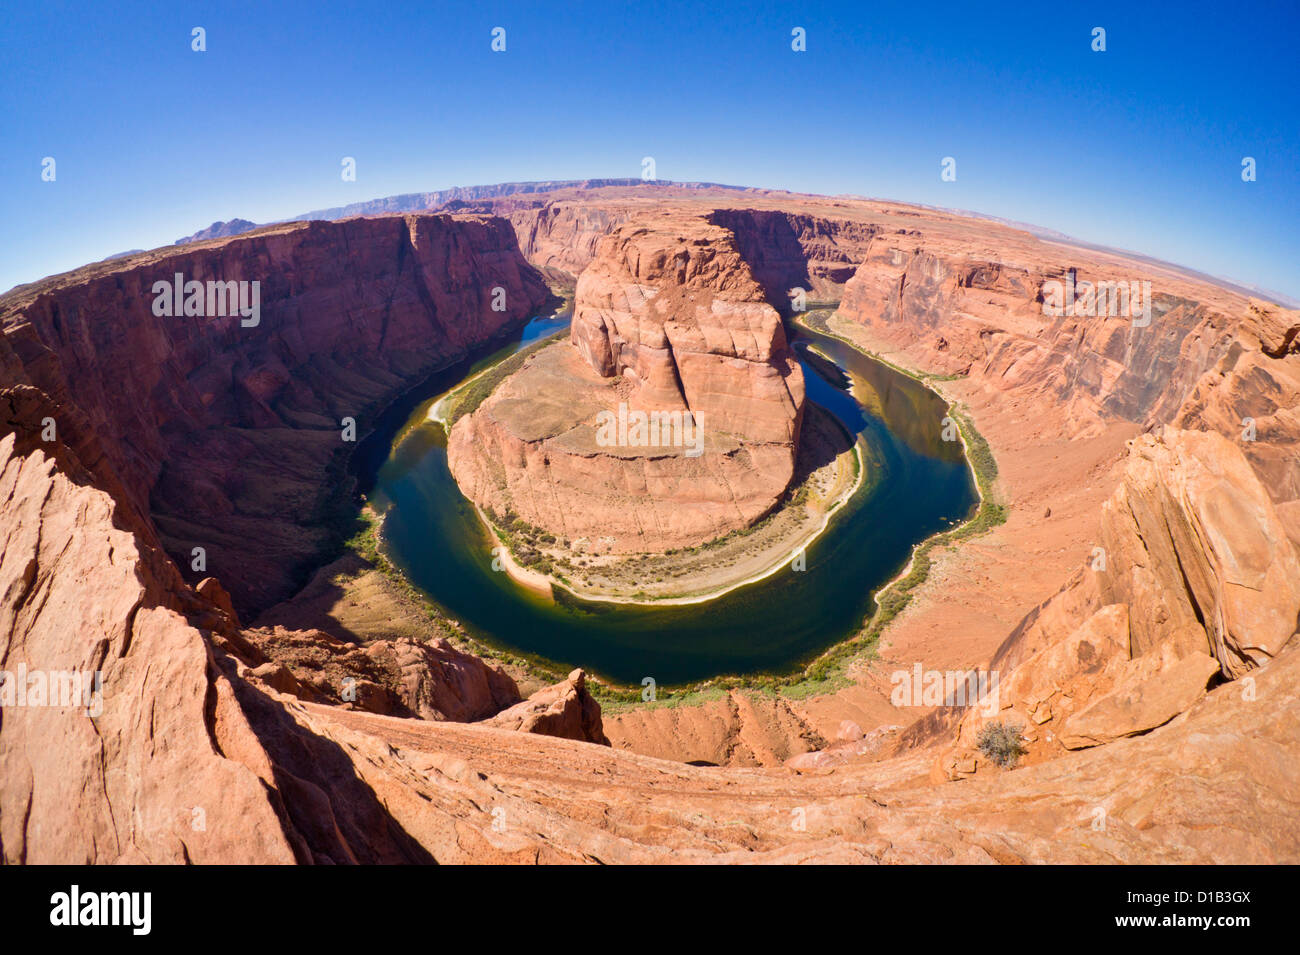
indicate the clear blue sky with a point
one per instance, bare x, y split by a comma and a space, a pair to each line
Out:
1139, 147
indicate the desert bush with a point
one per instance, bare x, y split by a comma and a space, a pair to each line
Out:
1001, 743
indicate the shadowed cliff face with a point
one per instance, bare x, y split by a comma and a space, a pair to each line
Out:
229, 435
787, 250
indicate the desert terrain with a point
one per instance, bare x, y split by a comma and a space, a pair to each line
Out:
1140, 602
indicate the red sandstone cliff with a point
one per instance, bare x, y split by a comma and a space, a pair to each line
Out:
667, 319
228, 435
951, 303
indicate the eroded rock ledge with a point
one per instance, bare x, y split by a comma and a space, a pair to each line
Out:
1195, 584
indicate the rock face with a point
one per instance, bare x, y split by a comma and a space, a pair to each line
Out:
429, 679
818, 251
1191, 571
1195, 548
939, 292
566, 710
138, 733
563, 801
1252, 396
165, 768
673, 307
668, 320
790, 250
228, 434
1195, 583
1204, 358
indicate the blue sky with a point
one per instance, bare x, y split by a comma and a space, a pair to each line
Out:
1138, 147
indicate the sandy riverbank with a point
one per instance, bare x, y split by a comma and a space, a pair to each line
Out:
719, 567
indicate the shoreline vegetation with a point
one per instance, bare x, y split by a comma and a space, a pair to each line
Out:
826, 673
542, 563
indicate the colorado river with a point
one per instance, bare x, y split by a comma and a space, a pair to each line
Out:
916, 485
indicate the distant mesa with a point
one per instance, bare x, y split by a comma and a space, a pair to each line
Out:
121, 255
456, 199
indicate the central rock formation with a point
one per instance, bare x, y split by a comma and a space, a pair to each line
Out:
669, 322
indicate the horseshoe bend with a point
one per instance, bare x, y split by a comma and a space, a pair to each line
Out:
945, 536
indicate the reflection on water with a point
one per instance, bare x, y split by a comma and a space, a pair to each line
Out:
916, 485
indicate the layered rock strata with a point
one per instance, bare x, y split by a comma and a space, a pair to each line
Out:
668, 323
228, 435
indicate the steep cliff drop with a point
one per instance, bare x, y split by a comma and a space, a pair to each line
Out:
227, 433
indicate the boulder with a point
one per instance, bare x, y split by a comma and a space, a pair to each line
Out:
566, 709
1196, 549
1149, 693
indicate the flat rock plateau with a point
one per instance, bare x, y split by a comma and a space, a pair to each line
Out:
1140, 603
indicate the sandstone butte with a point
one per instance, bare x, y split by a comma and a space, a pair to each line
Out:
667, 319
1140, 603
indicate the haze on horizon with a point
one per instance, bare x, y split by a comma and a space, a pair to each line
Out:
1139, 147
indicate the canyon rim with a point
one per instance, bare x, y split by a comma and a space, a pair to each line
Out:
824, 436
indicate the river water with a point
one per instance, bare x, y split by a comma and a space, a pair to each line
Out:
917, 485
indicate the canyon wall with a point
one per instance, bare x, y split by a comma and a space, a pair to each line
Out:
787, 241
1195, 583
138, 722
228, 435
1190, 567
790, 250
1203, 357
668, 319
